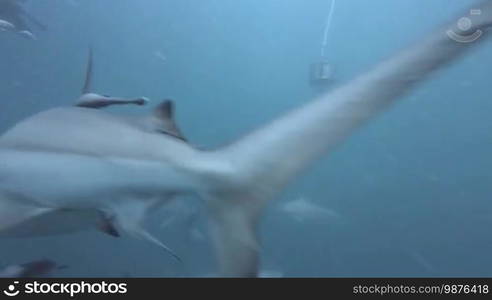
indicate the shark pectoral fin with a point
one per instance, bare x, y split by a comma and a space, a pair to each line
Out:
164, 121
106, 225
130, 216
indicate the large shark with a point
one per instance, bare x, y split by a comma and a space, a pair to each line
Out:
62, 168
160, 121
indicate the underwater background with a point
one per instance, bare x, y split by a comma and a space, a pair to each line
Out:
413, 189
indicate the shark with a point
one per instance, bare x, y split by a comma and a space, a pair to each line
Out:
160, 121
303, 209
14, 13
62, 168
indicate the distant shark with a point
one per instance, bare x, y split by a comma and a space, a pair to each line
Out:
302, 209
14, 13
64, 168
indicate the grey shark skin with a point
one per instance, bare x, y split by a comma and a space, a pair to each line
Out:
68, 164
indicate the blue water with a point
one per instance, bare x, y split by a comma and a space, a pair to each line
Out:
413, 187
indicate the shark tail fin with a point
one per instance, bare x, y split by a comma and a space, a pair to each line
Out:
257, 167
233, 226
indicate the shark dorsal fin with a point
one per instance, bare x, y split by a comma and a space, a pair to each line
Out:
164, 119
88, 74
165, 110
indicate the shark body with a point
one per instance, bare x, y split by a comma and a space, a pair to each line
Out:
61, 168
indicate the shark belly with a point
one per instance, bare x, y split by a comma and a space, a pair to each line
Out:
44, 193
